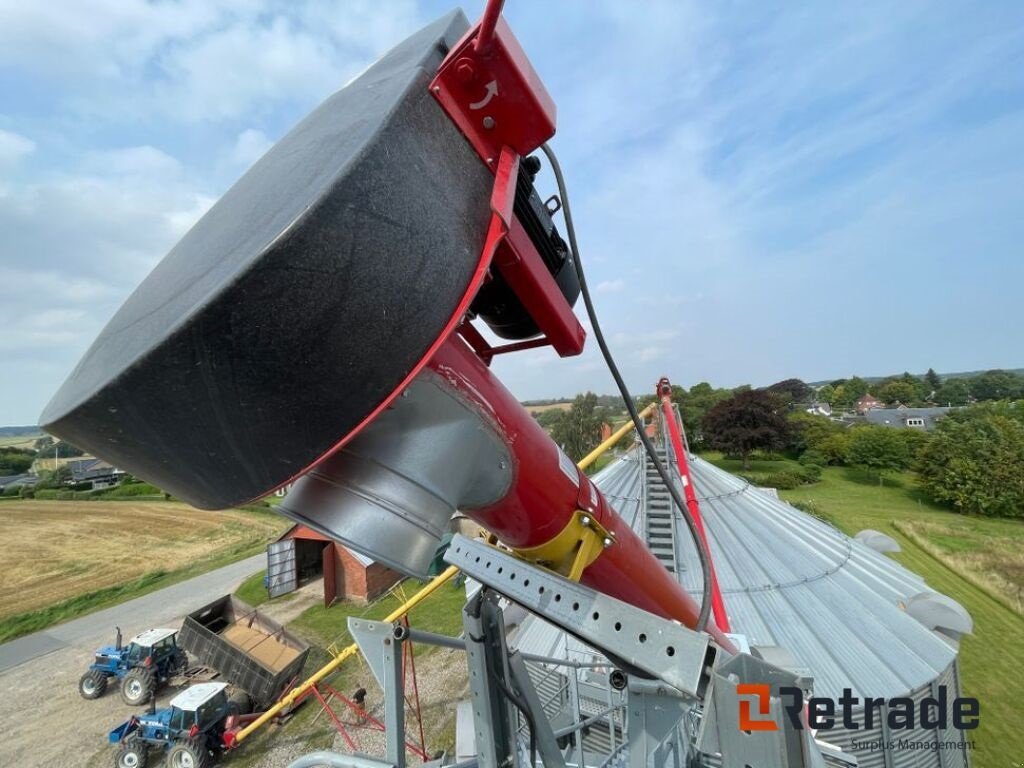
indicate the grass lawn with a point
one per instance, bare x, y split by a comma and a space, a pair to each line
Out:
69, 558
251, 591
992, 658
441, 613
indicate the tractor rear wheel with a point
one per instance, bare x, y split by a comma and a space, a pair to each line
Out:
189, 753
138, 686
92, 684
134, 753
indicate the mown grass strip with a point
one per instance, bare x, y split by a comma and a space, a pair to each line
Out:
936, 554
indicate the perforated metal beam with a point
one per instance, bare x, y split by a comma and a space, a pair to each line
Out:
644, 643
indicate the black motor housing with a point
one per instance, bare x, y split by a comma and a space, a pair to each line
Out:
496, 303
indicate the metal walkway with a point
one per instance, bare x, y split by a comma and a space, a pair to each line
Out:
660, 523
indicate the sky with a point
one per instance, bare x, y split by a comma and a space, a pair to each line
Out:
760, 190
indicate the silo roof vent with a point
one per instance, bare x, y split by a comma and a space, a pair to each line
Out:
877, 540
941, 614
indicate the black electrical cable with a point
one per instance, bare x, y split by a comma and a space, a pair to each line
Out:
702, 555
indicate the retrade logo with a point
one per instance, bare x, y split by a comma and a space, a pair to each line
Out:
852, 713
763, 695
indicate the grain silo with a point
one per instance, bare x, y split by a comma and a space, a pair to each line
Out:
809, 596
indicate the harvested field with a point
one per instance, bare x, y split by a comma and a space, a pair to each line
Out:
549, 407
19, 441
57, 550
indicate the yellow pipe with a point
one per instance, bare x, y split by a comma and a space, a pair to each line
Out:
344, 654
408, 605
617, 435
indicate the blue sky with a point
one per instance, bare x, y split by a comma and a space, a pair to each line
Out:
761, 191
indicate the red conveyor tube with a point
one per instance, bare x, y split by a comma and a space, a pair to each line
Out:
547, 489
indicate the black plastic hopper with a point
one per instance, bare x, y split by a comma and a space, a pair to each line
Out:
299, 302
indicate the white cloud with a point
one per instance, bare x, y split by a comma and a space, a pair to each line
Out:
182, 219
197, 61
250, 146
13, 147
650, 354
30, 329
610, 286
740, 162
74, 245
55, 287
142, 161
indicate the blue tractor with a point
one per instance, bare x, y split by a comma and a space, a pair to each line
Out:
146, 662
190, 731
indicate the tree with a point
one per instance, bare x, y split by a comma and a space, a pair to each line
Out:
65, 450
746, 422
15, 461
808, 431
840, 397
975, 461
826, 393
881, 449
953, 392
548, 417
578, 430
693, 405
898, 391
933, 380
836, 448
794, 390
55, 478
997, 385
856, 388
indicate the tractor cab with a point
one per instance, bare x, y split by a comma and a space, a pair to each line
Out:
203, 707
189, 729
154, 644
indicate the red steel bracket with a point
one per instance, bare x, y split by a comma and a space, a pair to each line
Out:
488, 88
492, 93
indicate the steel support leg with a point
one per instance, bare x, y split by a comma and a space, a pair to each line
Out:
394, 701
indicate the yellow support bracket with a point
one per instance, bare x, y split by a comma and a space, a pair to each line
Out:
574, 548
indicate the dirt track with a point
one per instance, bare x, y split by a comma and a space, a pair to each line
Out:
46, 723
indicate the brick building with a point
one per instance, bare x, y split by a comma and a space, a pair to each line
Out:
301, 555
868, 402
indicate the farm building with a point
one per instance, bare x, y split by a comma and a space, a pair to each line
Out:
301, 555
97, 472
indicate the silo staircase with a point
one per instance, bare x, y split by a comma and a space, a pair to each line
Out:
660, 522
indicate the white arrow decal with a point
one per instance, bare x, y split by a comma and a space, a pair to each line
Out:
492, 91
